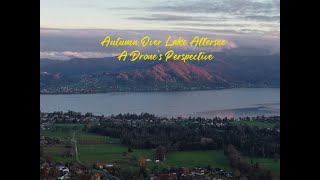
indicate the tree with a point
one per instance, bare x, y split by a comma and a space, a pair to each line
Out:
236, 173
160, 153
95, 177
257, 165
142, 173
232, 153
85, 177
53, 173
44, 173
128, 173
142, 162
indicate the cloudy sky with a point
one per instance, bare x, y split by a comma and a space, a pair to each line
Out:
74, 28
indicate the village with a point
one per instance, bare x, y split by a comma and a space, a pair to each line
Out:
55, 170
46, 119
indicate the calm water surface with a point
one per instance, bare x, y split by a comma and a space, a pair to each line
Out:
237, 102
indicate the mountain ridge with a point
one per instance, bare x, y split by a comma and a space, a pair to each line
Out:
108, 74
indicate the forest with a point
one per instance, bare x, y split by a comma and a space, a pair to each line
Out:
192, 134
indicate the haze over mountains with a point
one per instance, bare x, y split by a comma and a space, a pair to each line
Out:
95, 75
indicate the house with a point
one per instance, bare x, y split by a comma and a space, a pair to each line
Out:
243, 178
77, 171
227, 174
167, 176
63, 177
185, 171
98, 166
63, 172
95, 177
109, 165
43, 165
43, 142
218, 170
111, 168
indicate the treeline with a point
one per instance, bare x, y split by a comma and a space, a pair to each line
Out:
129, 116
242, 167
177, 136
76, 117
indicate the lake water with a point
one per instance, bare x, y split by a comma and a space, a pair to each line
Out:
238, 102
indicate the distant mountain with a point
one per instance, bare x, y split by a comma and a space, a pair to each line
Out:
79, 66
108, 74
47, 62
170, 72
251, 70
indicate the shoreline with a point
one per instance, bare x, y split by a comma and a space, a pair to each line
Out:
106, 92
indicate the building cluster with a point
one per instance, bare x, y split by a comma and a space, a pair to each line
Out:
198, 173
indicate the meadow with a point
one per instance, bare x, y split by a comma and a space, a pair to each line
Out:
94, 148
214, 158
270, 164
117, 154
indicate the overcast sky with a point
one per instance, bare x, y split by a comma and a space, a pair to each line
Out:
75, 27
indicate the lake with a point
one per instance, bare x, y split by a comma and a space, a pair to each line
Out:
238, 102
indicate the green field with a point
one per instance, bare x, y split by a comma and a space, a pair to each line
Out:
62, 131
108, 152
65, 132
56, 153
259, 124
76, 125
80, 136
213, 158
270, 164
67, 127
103, 153
57, 134
113, 153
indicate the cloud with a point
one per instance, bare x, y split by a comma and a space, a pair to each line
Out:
64, 55
168, 17
231, 7
231, 28
199, 24
229, 15
85, 43
264, 18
